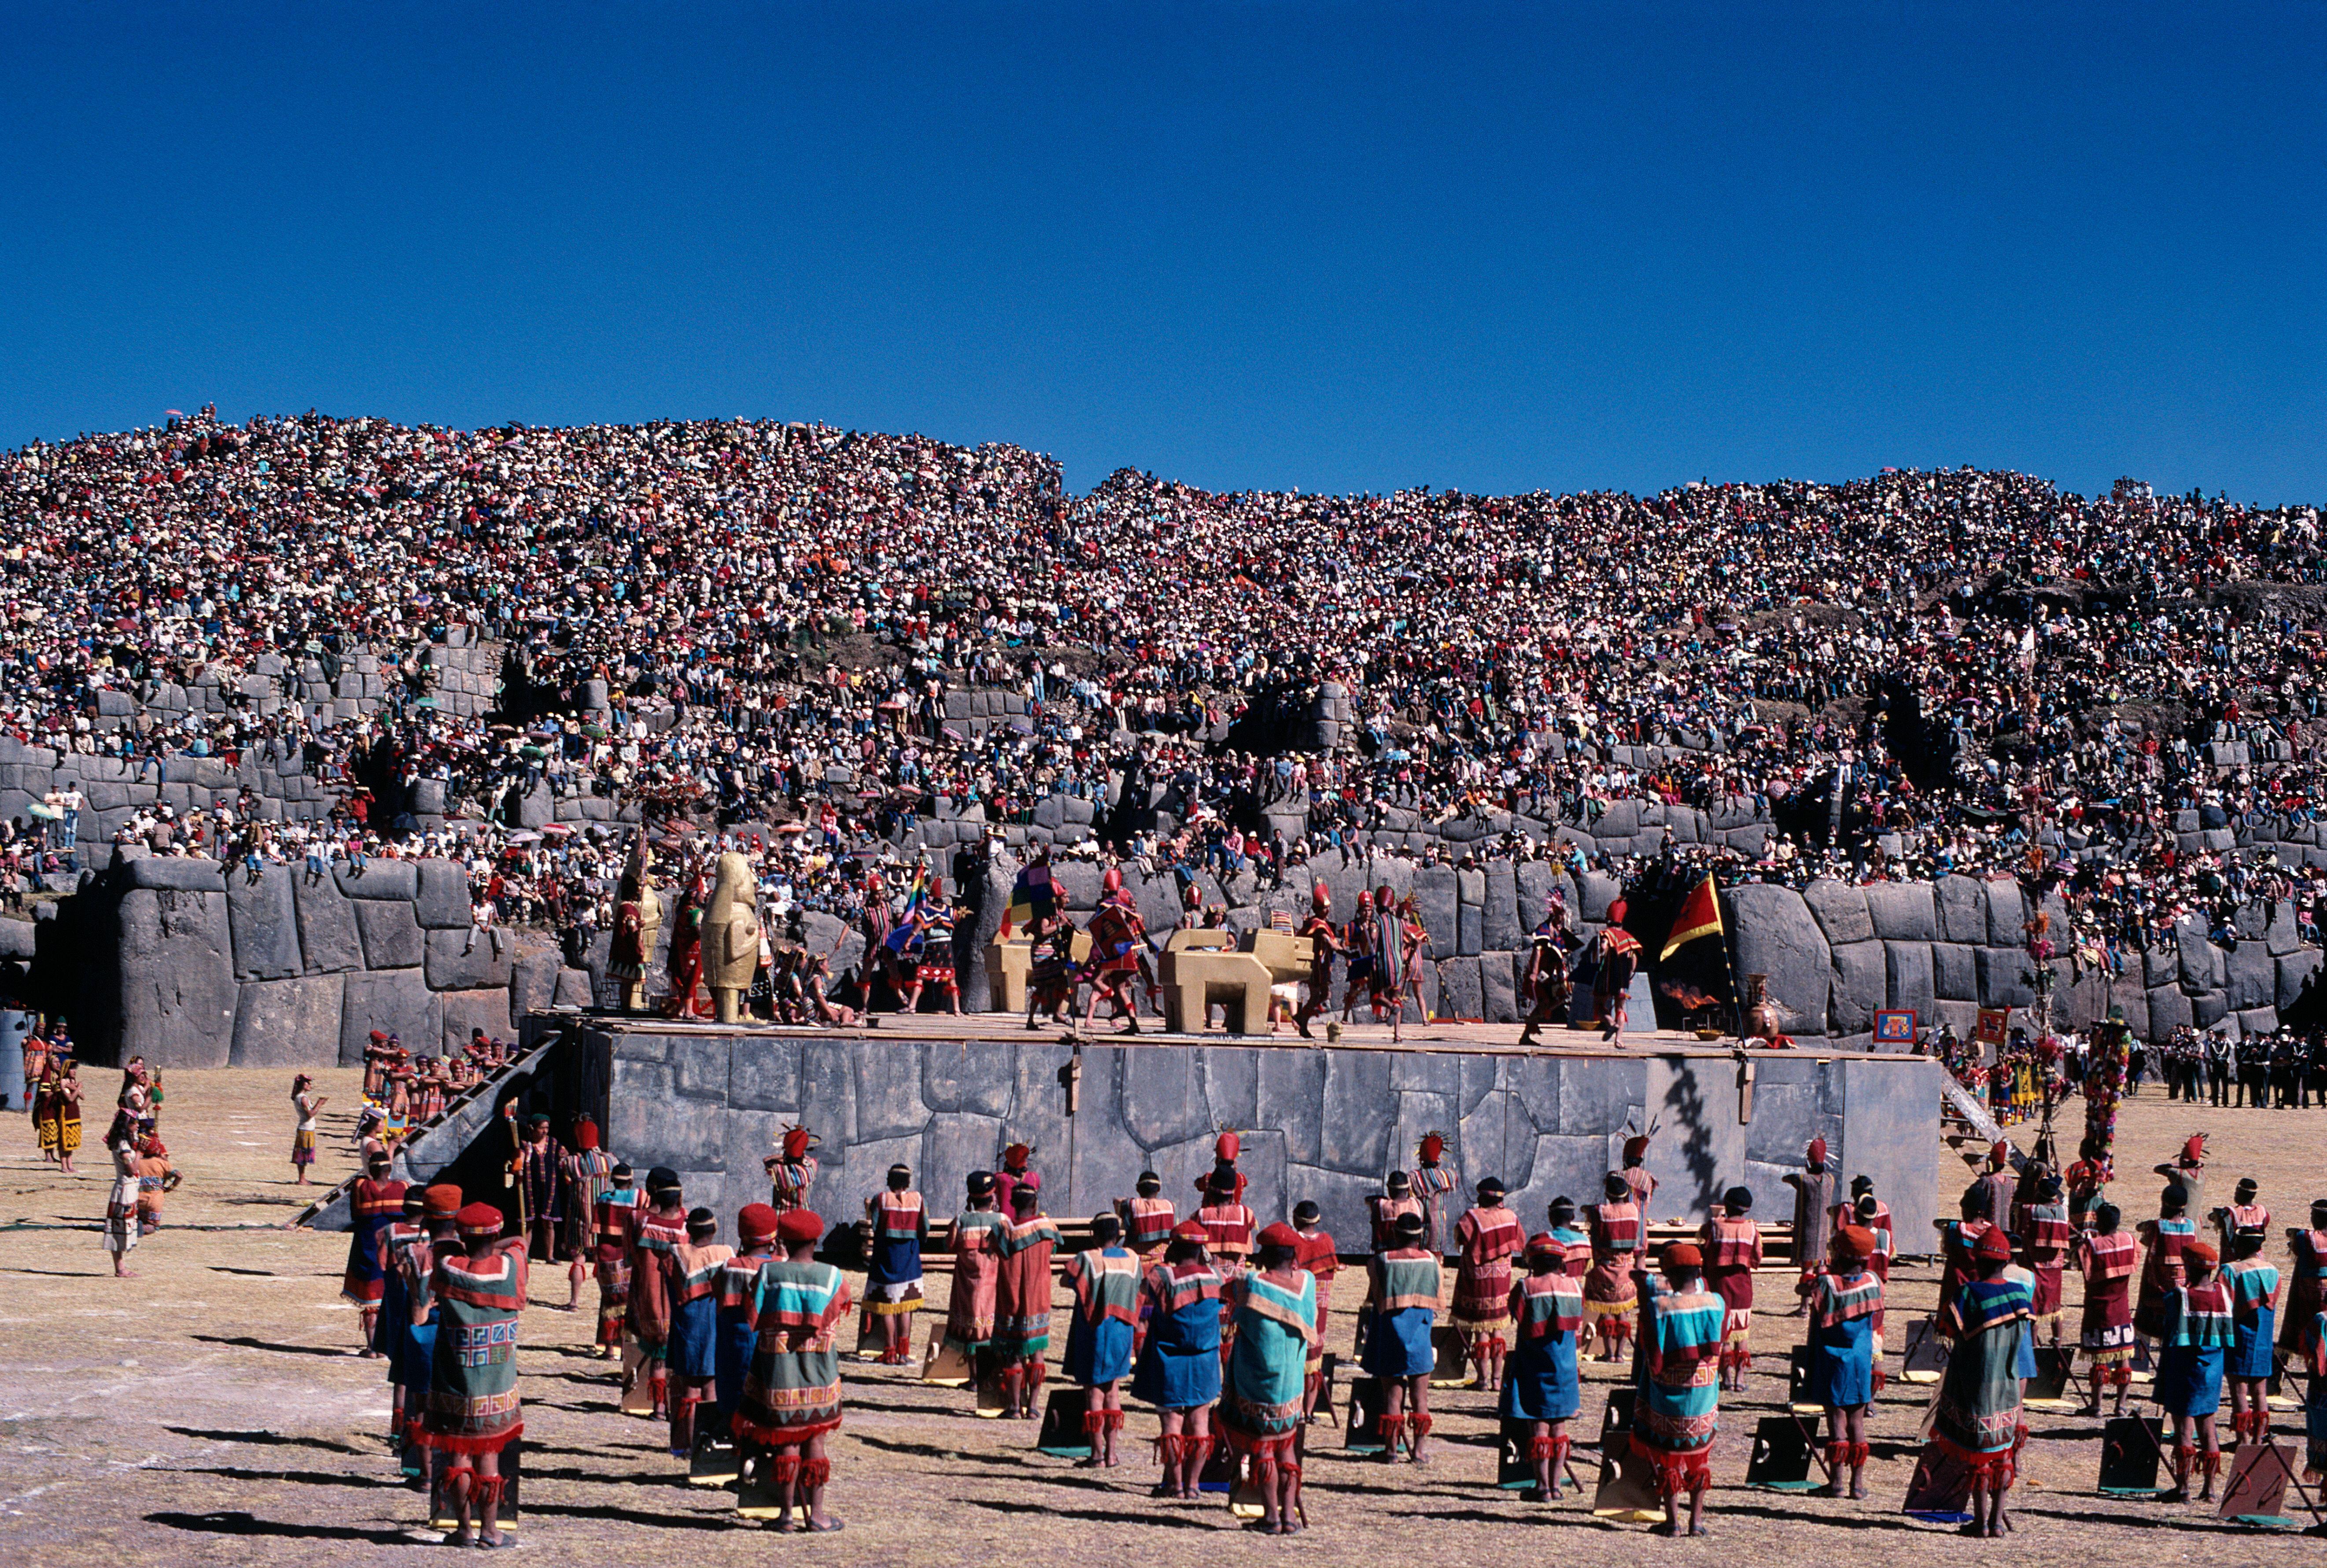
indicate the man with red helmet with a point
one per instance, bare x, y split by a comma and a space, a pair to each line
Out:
1325, 941
1118, 936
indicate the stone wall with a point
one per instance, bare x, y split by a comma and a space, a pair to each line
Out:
191, 964
1325, 1124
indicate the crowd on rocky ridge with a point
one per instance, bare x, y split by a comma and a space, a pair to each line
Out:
748, 624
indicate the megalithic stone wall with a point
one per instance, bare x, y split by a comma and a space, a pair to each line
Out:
1324, 1124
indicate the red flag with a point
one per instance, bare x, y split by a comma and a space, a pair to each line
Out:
1700, 916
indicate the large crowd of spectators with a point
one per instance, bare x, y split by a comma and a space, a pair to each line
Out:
752, 626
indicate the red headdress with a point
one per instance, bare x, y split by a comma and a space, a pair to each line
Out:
1434, 1145
1113, 881
795, 1227
1227, 1147
586, 1134
798, 1142
479, 1220
755, 1222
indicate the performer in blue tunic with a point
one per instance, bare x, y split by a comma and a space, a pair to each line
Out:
2194, 1330
1846, 1302
2252, 1283
738, 1310
1101, 1333
1403, 1285
1539, 1379
1179, 1370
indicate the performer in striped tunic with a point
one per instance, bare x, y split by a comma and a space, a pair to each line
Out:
613, 1220
1389, 1210
2042, 1228
373, 1205
2306, 1282
2161, 1263
1179, 1367
1869, 1213
791, 1170
2251, 1281
1977, 1419
1403, 1283
589, 1172
738, 1310
1540, 1382
659, 1230
1261, 1410
1147, 1218
1022, 1301
1610, 1290
475, 1297
791, 1397
412, 1365
2106, 1258
1105, 1280
1316, 1253
395, 1300
1486, 1238
1731, 1252
691, 1271
978, 1235
1676, 1411
1431, 1182
897, 1227
1846, 1302
2195, 1327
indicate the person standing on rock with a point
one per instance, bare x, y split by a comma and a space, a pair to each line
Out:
1325, 942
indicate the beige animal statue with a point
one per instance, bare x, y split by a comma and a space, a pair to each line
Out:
731, 937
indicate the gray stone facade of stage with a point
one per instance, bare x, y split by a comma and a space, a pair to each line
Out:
1324, 1124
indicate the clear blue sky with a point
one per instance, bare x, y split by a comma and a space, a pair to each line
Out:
1263, 244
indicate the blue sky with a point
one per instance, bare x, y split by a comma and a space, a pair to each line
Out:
1265, 245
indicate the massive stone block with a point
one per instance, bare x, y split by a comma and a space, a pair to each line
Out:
177, 994
2004, 976
395, 1002
293, 1023
391, 937
1840, 911
1902, 911
1459, 989
1954, 972
1859, 986
1502, 930
328, 940
442, 902
379, 879
1910, 983
468, 959
2169, 1010
2251, 974
2007, 913
1434, 899
1774, 933
464, 1010
2298, 977
263, 924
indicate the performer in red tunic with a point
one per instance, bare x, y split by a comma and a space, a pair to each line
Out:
473, 1411
1732, 1251
1325, 942
2042, 1228
1620, 958
374, 1204
613, 1225
1315, 1252
1021, 1303
1147, 1218
2107, 1256
1611, 1286
1118, 936
1486, 1238
1389, 1210
660, 1228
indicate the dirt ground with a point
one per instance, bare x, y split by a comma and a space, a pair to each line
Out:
212, 1409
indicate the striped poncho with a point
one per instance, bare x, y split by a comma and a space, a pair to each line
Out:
792, 1392
1022, 1296
1099, 1338
1679, 1409
1486, 1240
473, 1402
1978, 1414
1269, 1369
979, 1235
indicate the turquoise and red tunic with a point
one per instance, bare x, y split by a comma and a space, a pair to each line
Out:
691, 1283
2200, 1330
1977, 1419
373, 1206
472, 1403
896, 1223
1732, 1251
2313, 1340
1845, 1310
1147, 1223
1101, 1334
1486, 1240
738, 1326
1315, 1252
1180, 1364
1679, 1409
1269, 1369
1539, 1377
2253, 1286
792, 1392
1404, 1296
1022, 1290
2043, 1229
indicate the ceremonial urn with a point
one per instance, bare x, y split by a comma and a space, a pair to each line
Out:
1760, 1014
